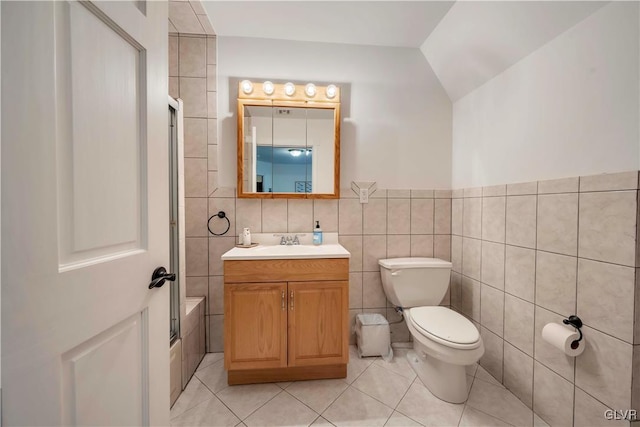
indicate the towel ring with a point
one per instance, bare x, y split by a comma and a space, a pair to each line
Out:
220, 214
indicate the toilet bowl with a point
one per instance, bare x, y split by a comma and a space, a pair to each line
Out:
441, 350
444, 341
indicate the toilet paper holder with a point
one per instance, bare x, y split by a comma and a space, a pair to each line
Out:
574, 321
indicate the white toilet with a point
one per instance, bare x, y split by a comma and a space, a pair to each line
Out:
444, 341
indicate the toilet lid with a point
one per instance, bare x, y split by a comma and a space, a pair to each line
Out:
445, 324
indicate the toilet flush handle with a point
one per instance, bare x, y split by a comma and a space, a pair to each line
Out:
395, 273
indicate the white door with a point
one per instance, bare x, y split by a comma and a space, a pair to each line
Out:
84, 213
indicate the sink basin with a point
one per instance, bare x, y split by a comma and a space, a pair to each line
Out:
334, 250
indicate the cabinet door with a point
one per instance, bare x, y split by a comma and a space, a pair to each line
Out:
255, 332
318, 323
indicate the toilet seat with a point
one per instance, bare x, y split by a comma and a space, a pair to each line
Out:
445, 327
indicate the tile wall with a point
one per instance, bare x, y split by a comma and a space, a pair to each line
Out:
192, 77
395, 223
528, 254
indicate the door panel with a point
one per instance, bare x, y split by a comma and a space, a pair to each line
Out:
101, 150
84, 213
88, 394
255, 325
318, 313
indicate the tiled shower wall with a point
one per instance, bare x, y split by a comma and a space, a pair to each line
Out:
192, 77
395, 223
528, 254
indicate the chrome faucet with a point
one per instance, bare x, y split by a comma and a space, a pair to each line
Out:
289, 240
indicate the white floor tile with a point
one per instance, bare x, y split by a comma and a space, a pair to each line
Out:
422, 406
209, 359
383, 385
213, 376
195, 392
317, 394
282, 410
357, 365
244, 399
399, 420
500, 403
321, 422
485, 376
208, 413
539, 422
399, 364
354, 408
473, 418
377, 387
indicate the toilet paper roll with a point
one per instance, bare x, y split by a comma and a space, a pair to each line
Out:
561, 338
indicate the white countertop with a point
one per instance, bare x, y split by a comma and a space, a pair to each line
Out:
269, 248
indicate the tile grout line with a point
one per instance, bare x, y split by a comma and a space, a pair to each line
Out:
535, 279
575, 307
258, 408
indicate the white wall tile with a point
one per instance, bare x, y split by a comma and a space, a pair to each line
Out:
558, 223
556, 282
604, 301
472, 218
492, 270
518, 374
520, 270
492, 309
604, 368
519, 323
493, 219
521, 221
553, 397
492, 360
608, 227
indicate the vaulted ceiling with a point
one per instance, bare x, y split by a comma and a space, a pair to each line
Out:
466, 42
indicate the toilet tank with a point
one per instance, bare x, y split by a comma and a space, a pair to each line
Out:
415, 282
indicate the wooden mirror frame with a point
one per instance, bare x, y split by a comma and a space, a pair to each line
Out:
300, 100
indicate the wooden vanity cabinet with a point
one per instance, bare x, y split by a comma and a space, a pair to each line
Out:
286, 319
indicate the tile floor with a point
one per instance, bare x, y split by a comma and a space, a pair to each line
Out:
375, 393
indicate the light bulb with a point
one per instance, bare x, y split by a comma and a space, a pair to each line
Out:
295, 152
247, 86
289, 89
267, 87
310, 89
331, 91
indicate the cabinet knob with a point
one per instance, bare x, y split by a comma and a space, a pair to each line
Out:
291, 298
283, 303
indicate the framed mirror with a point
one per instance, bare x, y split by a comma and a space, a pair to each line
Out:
288, 141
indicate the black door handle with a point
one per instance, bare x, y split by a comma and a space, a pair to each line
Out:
159, 276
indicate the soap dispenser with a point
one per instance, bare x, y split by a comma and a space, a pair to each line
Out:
317, 234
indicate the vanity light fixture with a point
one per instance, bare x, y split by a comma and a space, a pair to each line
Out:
331, 91
247, 86
267, 87
296, 152
289, 89
310, 90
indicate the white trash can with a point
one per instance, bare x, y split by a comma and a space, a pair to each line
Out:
373, 336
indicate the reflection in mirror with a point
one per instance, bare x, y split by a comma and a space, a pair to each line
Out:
287, 166
288, 146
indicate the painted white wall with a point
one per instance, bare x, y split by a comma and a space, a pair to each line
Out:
396, 117
570, 108
477, 40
